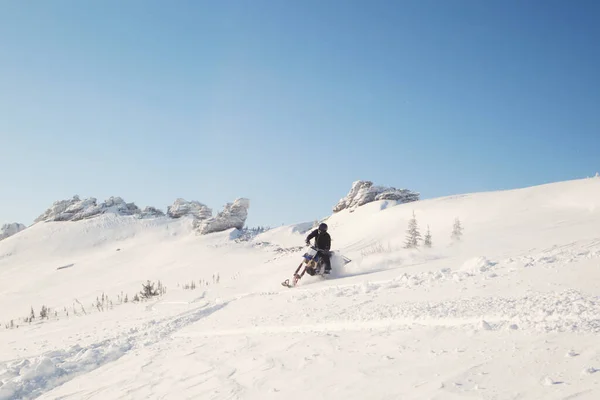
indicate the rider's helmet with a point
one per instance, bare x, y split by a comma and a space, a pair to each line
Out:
323, 227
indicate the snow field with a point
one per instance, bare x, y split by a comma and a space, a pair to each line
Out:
511, 311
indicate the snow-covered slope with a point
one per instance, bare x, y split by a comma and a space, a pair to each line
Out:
509, 311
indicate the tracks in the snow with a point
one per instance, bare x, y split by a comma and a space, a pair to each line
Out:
31, 377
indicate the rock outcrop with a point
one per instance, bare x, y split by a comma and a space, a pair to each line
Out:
181, 208
76, 209
7, 230
363, 192
233, 216
152, 212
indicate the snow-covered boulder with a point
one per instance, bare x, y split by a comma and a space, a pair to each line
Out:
58, 208
233, 216
183, 207
8, 230
363, 192
152, 212
399, 195
118, 206
76, 209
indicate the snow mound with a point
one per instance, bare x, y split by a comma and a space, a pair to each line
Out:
233, 216
77, 209
8, 230
477, 264
182, 207
363, 192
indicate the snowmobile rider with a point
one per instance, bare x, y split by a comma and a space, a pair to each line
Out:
322, 242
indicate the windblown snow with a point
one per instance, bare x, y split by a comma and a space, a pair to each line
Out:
509, 311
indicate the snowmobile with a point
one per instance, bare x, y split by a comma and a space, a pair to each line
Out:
313, 265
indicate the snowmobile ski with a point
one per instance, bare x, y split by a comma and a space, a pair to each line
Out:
312, 265
287, 283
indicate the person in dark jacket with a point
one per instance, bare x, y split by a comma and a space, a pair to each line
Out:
322, 242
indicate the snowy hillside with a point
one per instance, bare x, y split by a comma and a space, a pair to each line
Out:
507, 310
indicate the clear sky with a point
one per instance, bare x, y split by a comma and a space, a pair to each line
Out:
289, 102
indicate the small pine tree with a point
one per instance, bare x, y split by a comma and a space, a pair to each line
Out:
457, 230
412, 234
136, 298
427, 241
99, 305
44, 312
148, 290
126, 299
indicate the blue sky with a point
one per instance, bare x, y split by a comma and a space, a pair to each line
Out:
287, 103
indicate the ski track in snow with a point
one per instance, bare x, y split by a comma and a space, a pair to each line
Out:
566, 311
30, 378
558, 255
